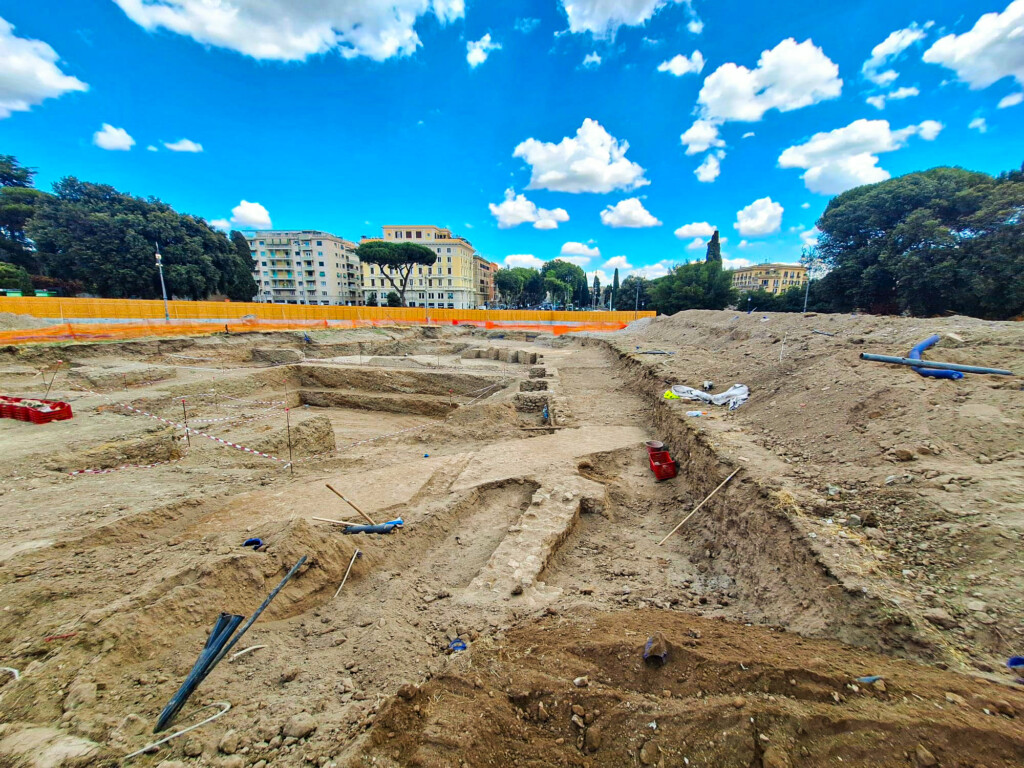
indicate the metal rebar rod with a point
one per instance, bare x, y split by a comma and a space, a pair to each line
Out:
932, 364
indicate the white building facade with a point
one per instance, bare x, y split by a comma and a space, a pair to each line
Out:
305, 266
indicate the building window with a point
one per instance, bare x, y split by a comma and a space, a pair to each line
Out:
419, 235
408, 233
323, 283
319, 243
449, 251
261, 243
323, 274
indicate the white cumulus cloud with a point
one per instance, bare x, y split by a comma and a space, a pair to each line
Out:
988, 52
696, 244
708, 170
887, 51
736, 263
679, 65
878, 102
809, 237
787, 77
183, 145
700, 137
109, 137
696, 229
1010, 101
286, 30
478, 51
603, 17
523, 260
653, 271
628, 213
978, 124
837, 160
248, 215
517, 209
592, 60
761, 217
618, 262
579, 249
222, 224
695, 26
591, 161
29, 73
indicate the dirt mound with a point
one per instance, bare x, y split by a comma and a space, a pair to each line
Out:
560, 692
157, 628
276, 355
9, 321
162, 445
310, 437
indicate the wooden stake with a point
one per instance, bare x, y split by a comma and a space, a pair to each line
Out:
341, 496
336, 522
53, 378
184, 413
288, 424
350, 564
730, 477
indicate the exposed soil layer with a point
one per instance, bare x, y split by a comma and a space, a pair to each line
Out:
575, 690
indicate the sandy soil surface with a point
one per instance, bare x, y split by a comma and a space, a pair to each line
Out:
534, 544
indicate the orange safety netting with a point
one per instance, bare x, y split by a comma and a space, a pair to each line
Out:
72, 332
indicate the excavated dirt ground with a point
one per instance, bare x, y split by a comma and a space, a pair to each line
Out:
873, 530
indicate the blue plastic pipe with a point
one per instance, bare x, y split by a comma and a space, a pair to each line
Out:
935, 373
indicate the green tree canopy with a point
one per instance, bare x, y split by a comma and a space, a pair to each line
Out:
633, 293
14, 276
714, 252
396, 261
237, 270
702, 285
18, 201
106, 239
942, 240
572, 278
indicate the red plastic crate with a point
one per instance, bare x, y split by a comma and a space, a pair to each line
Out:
12, 408
662, 465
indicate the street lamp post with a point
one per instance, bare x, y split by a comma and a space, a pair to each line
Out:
163, 288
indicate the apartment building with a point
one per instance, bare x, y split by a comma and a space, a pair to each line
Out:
483, 271
773, 278
450, 283
305, 267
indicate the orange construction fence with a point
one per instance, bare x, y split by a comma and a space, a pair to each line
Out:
123, 321
145, 309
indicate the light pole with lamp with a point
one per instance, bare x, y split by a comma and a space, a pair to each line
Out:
163, 288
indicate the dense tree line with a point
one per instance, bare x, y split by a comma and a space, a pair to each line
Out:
943, 240
97, 239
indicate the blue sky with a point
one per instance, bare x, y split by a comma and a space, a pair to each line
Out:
509, 122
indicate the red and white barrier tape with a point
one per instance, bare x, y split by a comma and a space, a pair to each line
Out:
208, 436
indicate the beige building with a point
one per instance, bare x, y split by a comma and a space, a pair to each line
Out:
773, 278
305, 267
451, 283
484, 279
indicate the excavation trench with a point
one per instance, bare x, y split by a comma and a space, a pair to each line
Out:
746, 538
